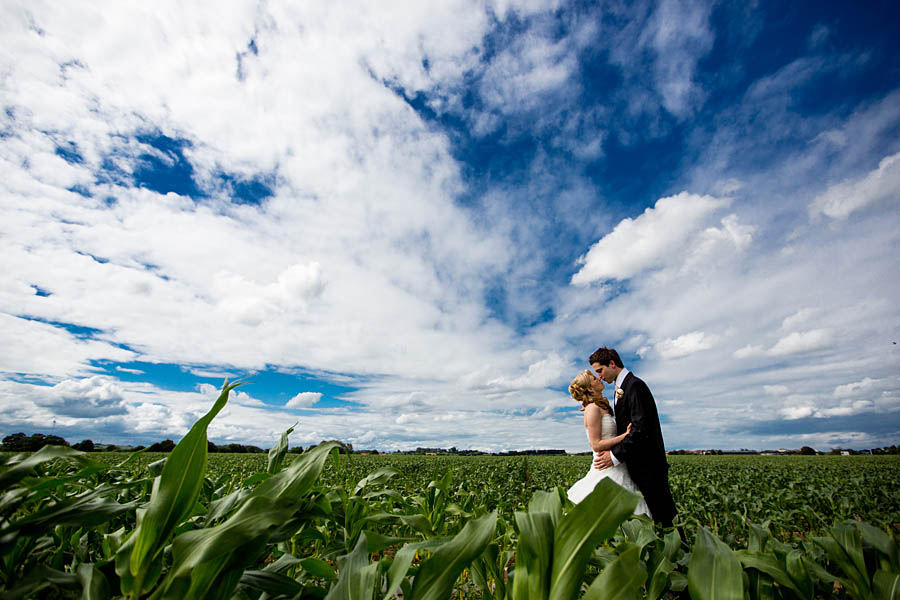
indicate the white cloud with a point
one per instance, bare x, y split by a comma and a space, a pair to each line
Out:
805, 341
881, 185
304, 400
90, 397
776, 390
856, 388
800, 317
648, 241
749, 351
684, 345
796, 412
680, 35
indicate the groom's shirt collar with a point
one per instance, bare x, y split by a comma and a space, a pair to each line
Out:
621, 377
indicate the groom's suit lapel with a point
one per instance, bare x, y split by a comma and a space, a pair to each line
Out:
626, 383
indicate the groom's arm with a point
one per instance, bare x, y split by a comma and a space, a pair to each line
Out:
641, 413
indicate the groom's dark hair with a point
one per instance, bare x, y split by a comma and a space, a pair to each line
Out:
603, 355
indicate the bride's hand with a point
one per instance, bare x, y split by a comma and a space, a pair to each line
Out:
628, 429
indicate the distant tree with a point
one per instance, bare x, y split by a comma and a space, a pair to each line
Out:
163, 446
16, 442
210, 447
296, 450
84, 446
806, 450
19, 442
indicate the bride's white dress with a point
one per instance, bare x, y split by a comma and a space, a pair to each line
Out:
618, 473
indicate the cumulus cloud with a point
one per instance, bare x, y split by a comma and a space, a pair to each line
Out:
802, 341
86, 398
881, 185
684, 345
680, 35
304, 400
658, 235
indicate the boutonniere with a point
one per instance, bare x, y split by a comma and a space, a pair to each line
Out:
619, 393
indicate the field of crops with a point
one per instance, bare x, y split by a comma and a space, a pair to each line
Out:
327, 525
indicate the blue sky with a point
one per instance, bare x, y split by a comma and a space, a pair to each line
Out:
409, 226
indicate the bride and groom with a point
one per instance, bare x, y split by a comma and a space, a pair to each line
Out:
626, 438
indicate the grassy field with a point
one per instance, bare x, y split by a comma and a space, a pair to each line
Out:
324, 525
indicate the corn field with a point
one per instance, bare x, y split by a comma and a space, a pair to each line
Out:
326, 525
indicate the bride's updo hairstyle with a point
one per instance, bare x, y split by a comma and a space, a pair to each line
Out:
580, 389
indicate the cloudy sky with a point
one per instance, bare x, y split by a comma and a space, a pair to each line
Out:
409, 224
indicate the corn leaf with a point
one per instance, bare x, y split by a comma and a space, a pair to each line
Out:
356, 577
437, 575
93, 582
175, 494
621, 579
534, 554
278, 451
590, 522
714, 572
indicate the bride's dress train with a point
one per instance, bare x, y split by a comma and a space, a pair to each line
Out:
618, 473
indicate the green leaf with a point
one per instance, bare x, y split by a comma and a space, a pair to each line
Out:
379, 477
274, 584
437, 575
26, 465
546, 502
402, 560
356, 576
93, 582
770, 565
590, 522
659, 567
318, 568
534, 554
886, 585
278, 451
714, 572
881, 541
376, 542
621, 579
175, 494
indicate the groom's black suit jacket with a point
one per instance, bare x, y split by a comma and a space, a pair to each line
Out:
642, 450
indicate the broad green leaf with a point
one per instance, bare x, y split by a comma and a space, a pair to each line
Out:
881, 541
758, 538
376, 542
640, 531
547, 502
402, 560
534, 554
590, 522
295, 481
621, 579
714, 572
318, 568
658, 569
93, 582
356, 576
24, 467
278, 451
257, 517
886, 585
437, 575
175, 494
274, 584
379, 477
770, 565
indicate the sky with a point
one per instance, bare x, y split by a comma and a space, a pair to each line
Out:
409, 224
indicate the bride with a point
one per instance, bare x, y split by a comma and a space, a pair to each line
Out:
587, 388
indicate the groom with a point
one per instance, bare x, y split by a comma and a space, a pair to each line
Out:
642, 450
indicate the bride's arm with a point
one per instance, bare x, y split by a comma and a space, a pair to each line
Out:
593, 421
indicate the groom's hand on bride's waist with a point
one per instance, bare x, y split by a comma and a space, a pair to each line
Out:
603, 460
